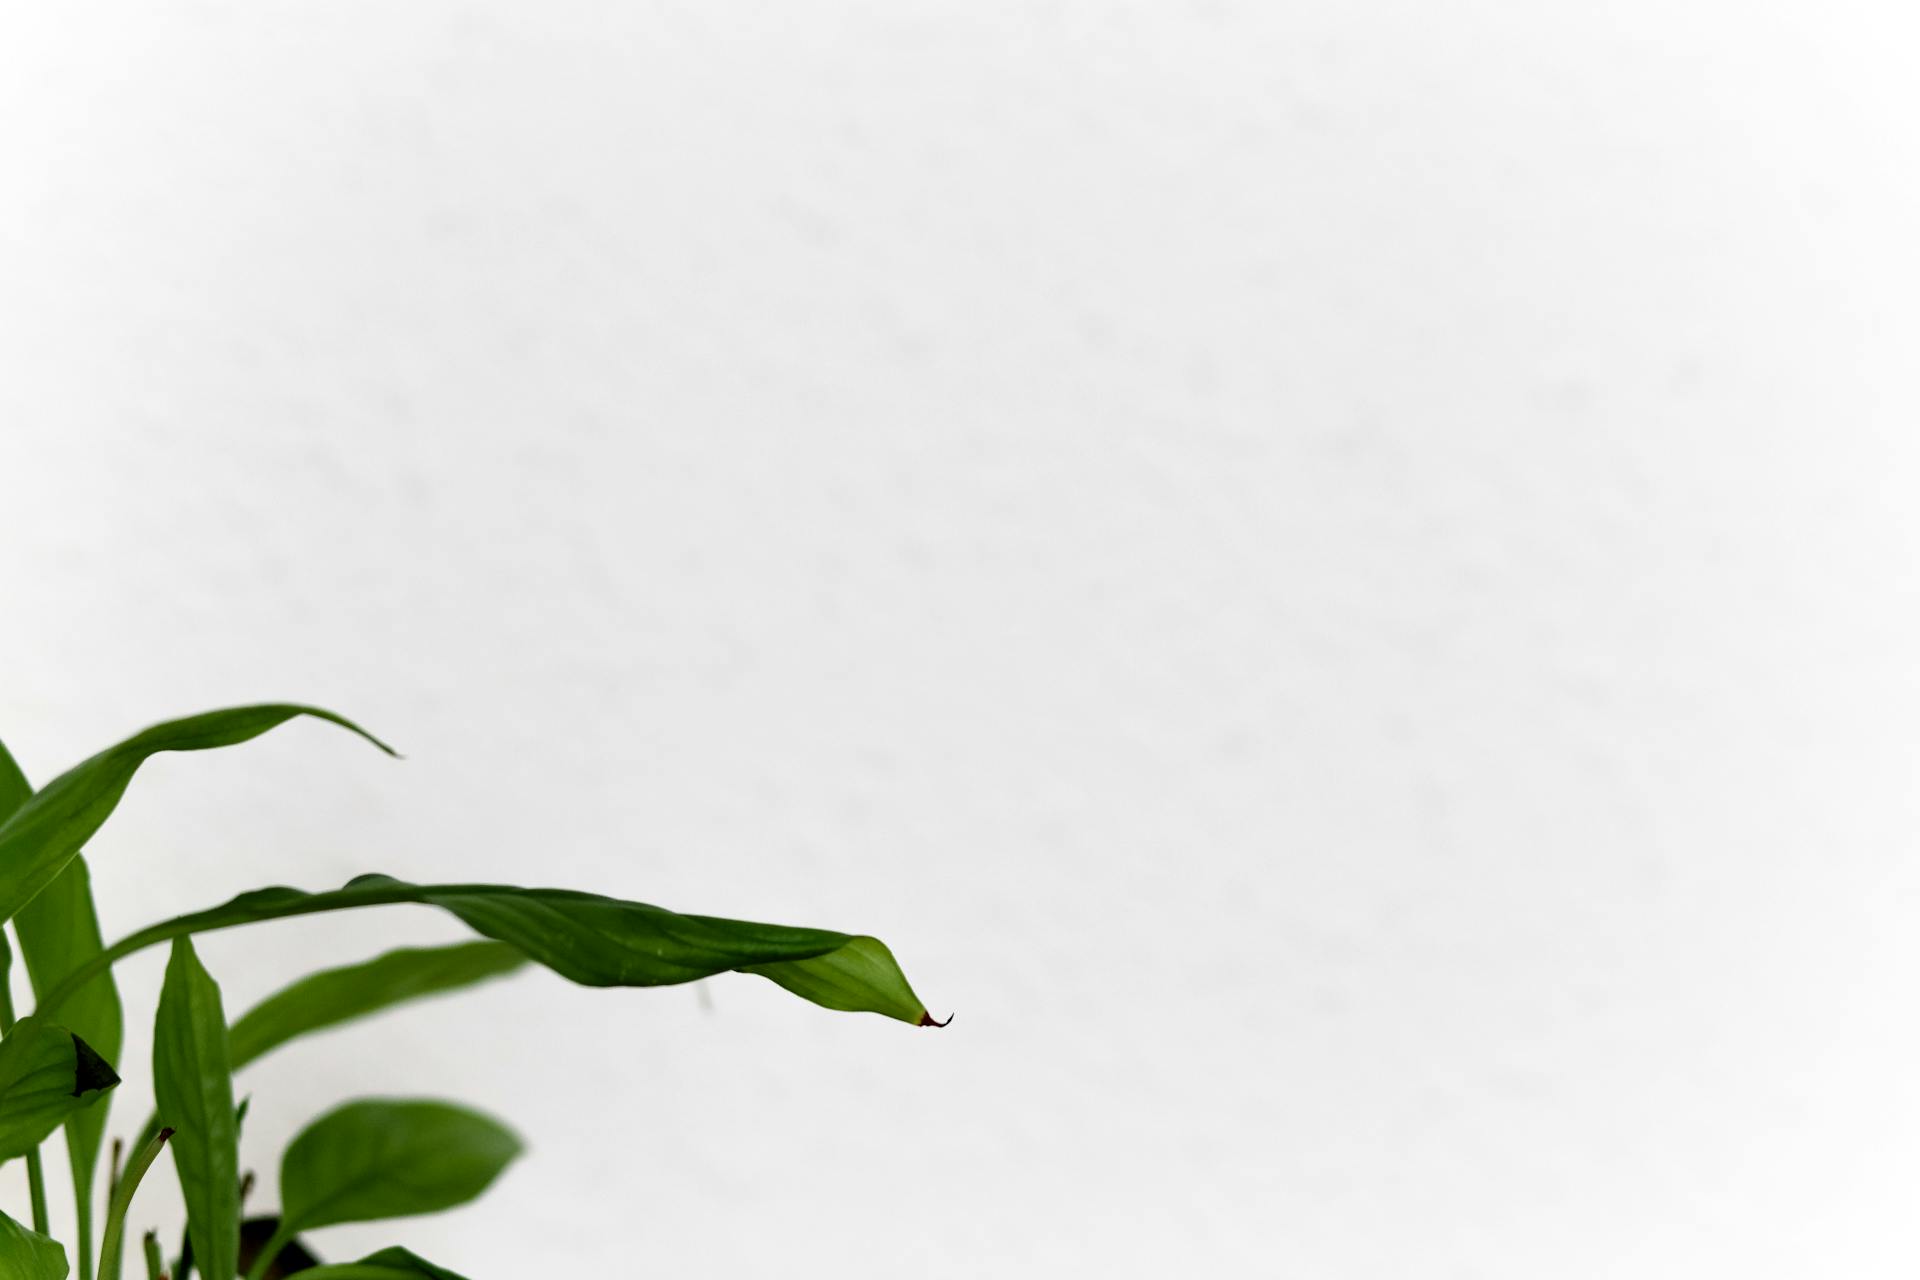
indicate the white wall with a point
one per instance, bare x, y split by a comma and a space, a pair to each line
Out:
1337, 578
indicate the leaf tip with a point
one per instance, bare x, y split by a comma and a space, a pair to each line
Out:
928, 1020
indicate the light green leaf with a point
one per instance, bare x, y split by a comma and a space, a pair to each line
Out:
47, 830
28, 1255
601, 942
389, 1158
388, 1264
334, 996
193, 1093
46, 1074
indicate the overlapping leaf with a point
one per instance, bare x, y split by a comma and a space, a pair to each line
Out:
46, 1074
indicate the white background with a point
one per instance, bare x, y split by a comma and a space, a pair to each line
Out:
1338, 580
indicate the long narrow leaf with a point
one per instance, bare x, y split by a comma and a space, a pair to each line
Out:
334, 996
193, 1090
596, 941
46, 1074
46, 831
59, 933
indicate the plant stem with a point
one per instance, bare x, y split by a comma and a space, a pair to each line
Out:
123, 1190
155, 1268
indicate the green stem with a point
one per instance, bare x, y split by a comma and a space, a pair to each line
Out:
37, 1190
264, 1259
151, 1243
82, 1225
123, 1190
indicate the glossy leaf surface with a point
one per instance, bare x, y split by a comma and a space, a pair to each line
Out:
335, 996
193, 1094
46, 1074
389, 1158
48, 829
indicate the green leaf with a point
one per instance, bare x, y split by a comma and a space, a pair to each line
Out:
28, 1255
603, 942
334, 996
388, 1264
389, 1158
193, 1092
59, 932
46, 1074
14, 790
47, 830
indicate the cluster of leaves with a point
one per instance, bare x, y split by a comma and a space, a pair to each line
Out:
367, 1160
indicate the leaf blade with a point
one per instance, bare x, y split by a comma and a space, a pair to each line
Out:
193, 1093
378, 1158
40, 836
59, 932
388, 1264
46, 1074
27, 1255
335, 996
599, 941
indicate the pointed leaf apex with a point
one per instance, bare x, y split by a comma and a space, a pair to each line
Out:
928, 1020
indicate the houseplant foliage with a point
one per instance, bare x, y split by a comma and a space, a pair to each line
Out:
366, 1160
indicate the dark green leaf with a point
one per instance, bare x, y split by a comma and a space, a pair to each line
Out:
59, 932
45, 832
28, 1255
46, 1074
388, 1264
606, 942
334, 996
193, 1093
389, 1158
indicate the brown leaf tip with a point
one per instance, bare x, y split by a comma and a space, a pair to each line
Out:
928, 1020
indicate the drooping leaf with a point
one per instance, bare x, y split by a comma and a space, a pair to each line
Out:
602, 942
59, 932
388, 1264
28, 1255
46, 1074
193, 1093
45, 832
389, 1158
334, 996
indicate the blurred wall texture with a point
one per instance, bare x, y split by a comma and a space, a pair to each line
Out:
1337, 578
